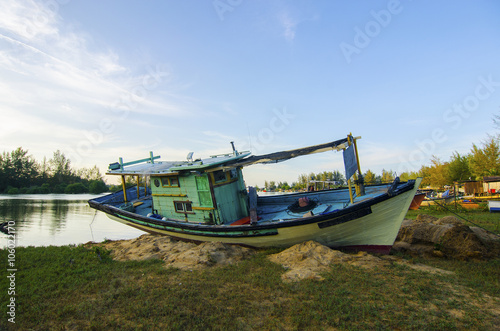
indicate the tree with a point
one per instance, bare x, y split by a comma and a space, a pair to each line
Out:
458, 167
17, 169
61, 167
387, 176
338, 177
302, 181
425, 173
485, 161
369, 177
438, 173
25, 167
89, 173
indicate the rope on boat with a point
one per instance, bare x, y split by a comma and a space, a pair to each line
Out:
479, 226
90, 225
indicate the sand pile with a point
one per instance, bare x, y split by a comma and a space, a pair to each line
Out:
309, 259
302, 261
445, 237
175, 253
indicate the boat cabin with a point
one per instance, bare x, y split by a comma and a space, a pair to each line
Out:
208, 191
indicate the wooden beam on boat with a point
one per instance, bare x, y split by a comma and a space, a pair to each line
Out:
138, 195
124, 189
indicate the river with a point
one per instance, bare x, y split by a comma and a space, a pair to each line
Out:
58, 219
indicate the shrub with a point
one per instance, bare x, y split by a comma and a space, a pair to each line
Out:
45, 189
13, 190
75, 188
97, 186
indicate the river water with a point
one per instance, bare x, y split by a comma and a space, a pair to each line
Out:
58, 219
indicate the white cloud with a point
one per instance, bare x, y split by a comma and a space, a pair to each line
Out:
288, 24
55, 87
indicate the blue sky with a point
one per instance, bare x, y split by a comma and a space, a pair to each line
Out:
104, 79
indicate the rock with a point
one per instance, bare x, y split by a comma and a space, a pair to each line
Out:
446, 237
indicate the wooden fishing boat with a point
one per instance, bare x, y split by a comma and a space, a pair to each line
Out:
207, 200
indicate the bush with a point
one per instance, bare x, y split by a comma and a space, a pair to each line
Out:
75, 188
97, 186
60, 188
45, 189
12, 190
33, 190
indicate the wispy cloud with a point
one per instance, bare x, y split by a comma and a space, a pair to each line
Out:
289, 25
59, 86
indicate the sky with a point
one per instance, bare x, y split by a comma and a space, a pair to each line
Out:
99, 80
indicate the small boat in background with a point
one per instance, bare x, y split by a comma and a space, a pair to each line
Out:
417, 200
494, 206
440, 199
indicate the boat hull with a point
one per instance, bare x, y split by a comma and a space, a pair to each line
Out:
371, 225
417, 201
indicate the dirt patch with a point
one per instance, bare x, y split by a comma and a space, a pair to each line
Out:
446, 237
302, 261
175, 253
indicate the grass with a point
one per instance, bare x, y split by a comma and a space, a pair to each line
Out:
77, 287
82, 288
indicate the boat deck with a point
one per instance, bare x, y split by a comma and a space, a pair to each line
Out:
327, 202
274, 208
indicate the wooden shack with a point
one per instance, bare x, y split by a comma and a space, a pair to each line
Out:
473, 187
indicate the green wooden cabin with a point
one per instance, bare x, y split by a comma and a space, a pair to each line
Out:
204, 191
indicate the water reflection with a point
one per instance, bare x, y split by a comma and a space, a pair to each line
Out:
55, 219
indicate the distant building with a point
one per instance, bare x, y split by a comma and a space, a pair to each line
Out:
491, 184
473, 187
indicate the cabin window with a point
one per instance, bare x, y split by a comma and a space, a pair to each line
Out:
157, 183
183, 207
233, 174
172, 181
219, 176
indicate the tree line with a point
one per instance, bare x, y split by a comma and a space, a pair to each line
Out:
20, 173
481, 161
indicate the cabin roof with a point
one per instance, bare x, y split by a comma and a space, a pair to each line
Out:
152, 167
